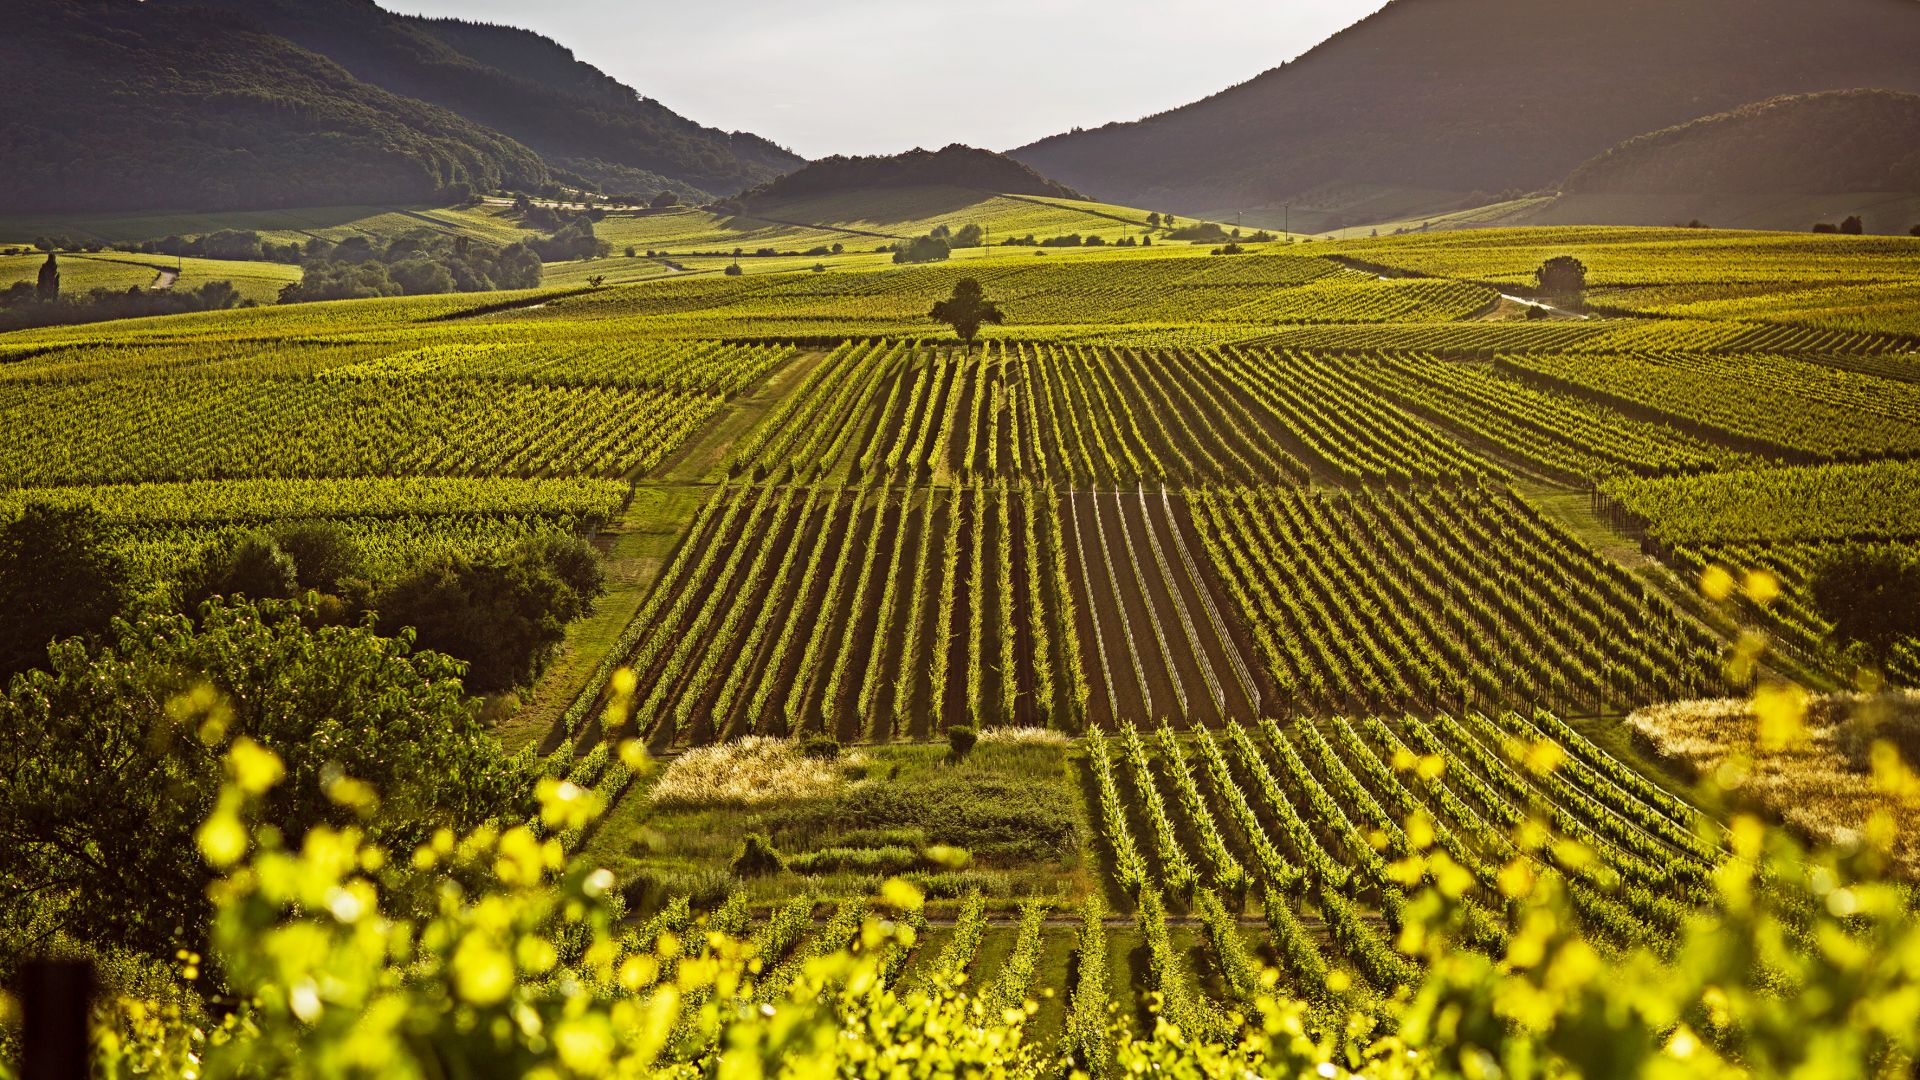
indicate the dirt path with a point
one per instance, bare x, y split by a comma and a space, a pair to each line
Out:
165, 279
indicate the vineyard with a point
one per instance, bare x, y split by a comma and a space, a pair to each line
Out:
1194, 624
414, 452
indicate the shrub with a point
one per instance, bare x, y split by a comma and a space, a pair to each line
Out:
757, 857
820, 749
734, 270
324, 557
250, 565
960, 740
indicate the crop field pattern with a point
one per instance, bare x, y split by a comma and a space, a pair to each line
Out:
1272, 487
1254, 574
415, 450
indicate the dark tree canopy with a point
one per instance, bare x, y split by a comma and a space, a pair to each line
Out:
112, 759
922, 249
59, 578
1872, 597
503, 615
250, 565
967, 310
1564, 278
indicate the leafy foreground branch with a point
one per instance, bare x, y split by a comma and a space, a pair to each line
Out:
494, 954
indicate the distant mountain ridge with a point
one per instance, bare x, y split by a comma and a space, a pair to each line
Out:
124, 105
118, 105
1466, 96
527, 87
956, 166
1805, 144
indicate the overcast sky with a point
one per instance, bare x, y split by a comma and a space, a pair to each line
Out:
880, 76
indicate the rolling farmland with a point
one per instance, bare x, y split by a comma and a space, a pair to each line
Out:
1277, 592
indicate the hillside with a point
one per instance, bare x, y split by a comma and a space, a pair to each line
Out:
1423, 96
1810, 144
528, 87
102, 114
955, 166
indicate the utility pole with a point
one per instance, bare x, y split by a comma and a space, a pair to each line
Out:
1287, 217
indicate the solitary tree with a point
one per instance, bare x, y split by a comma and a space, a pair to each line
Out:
1564, 278
1853, 226
48, 288
1872, 597
967, 309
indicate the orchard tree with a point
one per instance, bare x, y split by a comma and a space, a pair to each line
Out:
967, 310
112, 759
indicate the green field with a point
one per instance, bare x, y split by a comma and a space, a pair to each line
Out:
1262, 574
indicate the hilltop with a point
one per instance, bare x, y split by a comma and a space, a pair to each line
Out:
1423, 107
955, 166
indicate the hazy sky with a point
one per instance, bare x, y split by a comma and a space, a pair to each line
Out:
880, 76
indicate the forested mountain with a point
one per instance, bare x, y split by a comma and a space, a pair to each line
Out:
528, 87
955, 166
1453, 97
115, 104
1809, 144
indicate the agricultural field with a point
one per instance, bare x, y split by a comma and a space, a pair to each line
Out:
416, 449
1189, 626
1855, 285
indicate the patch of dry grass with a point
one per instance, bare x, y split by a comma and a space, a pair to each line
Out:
1025, 736
754, 771
1815, 783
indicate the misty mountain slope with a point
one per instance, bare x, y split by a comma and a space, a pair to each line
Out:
525, 86
118, 105
1483, 95
1854, 140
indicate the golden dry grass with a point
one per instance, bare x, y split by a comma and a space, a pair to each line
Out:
751, 772
1025, 736
1809, 782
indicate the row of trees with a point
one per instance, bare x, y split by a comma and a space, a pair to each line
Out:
41, 303
420, 263
503, 615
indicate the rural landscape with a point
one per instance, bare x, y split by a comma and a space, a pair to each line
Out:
1406, 567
